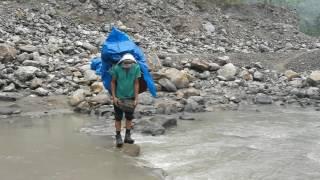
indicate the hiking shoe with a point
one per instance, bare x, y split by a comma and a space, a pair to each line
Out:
119, 141
128, 139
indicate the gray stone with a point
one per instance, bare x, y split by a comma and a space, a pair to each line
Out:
263, 99
146, 99
35, 83
167, 85
186, 93
178, 78
314, 78
147, 127
90, 75
25, 73
77, 97
167, 107
41, 92
199, 65
22, 57
101, 99
209, 27
164, 121
258, 76
186, 117
192, 106
11, 87
28, 48
313, 92
90, 47
228, 71
290, 74
204, 75
97, 87
9, 110
7, 53
245, 75
31, 63
214, 67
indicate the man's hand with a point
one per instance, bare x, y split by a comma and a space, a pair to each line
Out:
135, 102
115, 101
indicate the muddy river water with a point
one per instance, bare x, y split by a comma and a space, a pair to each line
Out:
266, 144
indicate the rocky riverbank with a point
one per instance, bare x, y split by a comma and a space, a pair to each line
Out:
202, 58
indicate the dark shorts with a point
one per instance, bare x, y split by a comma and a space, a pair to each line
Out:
118, 114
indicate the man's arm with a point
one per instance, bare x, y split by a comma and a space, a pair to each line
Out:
113, 91
136, 91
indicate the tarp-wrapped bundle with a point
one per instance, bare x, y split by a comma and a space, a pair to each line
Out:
116, 45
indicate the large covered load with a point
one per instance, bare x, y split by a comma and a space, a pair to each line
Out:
116, 45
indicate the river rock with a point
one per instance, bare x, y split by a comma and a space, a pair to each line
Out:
147, 127
186, 93
314, 78
90, 47
263, 99
90, 76
7, 53
167, 85
132, 150
100, 99
245, 74
167, 106
199, 65
28, 48
41, 92
96, 87
146, 99
77, 97
214, 67
228, 71
9, 110
178, 78
11, 87
35, 83
186, 117
258, 76
290, 74
25, 73
192, 106
313, 92
164, 121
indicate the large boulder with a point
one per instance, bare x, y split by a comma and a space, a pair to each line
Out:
7, 53
179, 78
314, 78
167, 85
228, 71
25, 73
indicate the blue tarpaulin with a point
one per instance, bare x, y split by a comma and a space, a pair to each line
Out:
116, 45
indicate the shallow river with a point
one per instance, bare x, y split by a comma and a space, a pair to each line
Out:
52, 148
270, 144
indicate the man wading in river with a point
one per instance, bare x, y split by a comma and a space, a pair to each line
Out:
125, 90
